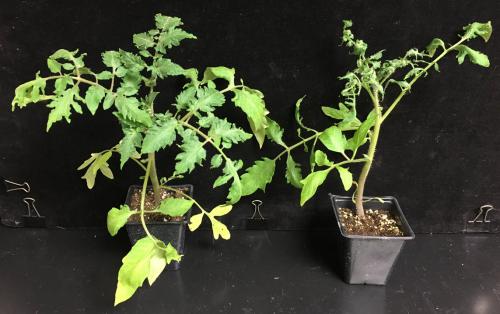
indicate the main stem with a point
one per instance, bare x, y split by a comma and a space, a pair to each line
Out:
153, 175
360, 211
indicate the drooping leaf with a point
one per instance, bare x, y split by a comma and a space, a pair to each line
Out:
274, 132
321, 159
359, 137
257, 176
222, 72
175, 207
434, 45
293, 172
157, 264
93, 97
136, 266
128, 144
333, 139
478, 29
252, 104
117, 218
311, 184
345, 177
474, 56
95, 163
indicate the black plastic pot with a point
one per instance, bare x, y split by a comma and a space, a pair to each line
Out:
172, 232
369, 259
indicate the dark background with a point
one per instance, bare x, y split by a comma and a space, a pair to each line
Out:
438, 152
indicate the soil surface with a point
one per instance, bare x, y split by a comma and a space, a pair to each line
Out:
135, 204
374, 223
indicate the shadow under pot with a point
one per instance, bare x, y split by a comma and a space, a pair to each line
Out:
367, 259
169, 231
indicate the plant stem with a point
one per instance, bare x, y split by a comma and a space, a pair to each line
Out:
288, 149
143, 198
153, 175
404, 91
371, 154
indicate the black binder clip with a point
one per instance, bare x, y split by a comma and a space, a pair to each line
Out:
33, 219
257, 221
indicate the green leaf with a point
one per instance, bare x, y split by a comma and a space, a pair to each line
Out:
219, 229
474, 56
111, 59
186, 98
136, 266
230, 171
97, 162
274, 132
117, 218
220, 130
434, 45
165, 67
257, 176
346, 177
93, 97
311, 184
359, 137
104, 75
222, 72
192, 153
61, 108
108, 101
207, 99
63, 54
175, 207
143, 41
333, 139
130, 141
195, 221
236, 188
478, 29
221, 210
216, 161
156, 266
293, 172
129, 108
172, 38
164, 22
160, 135
334, 113
53, 65
252, 104
321, 159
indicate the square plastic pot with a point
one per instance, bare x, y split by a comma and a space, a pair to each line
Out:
172, 232
369, 259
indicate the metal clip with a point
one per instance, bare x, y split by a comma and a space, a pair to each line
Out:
482, 216
16, 186
30, 203
257, 204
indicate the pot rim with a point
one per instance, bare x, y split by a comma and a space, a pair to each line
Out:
410, 235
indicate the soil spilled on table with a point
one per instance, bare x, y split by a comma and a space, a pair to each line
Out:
135, 204
375, 223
